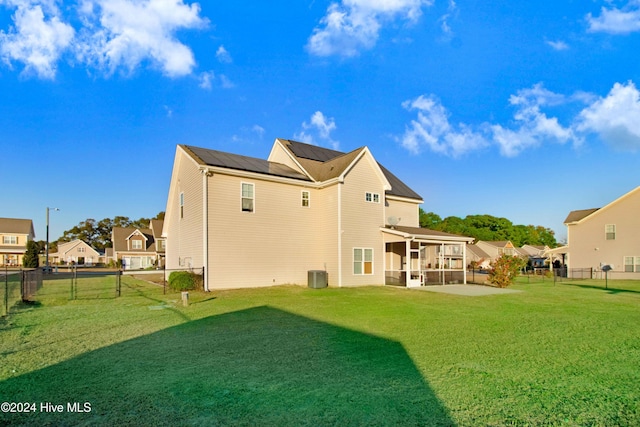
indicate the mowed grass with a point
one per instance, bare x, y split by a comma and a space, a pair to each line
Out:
563, 354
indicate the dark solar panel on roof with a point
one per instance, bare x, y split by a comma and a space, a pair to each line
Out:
245, 163
313, 152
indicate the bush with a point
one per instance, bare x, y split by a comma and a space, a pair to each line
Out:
505, 269
184, 281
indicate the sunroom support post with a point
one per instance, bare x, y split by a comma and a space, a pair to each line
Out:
464, 263
407, 264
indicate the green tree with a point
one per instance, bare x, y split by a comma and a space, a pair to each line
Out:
30, 258
429, 220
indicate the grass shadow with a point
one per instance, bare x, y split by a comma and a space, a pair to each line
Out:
260, 366
602, 287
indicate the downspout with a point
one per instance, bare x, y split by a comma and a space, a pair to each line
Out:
339, 235
205, 228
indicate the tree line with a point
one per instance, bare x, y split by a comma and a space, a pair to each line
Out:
490, 228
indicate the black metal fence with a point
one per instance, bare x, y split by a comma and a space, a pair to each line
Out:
19, 286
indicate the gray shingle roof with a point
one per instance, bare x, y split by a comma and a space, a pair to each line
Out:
244, 163
16, 225
575, 216
324, 155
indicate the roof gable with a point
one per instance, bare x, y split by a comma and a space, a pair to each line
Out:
585, 214
323, 164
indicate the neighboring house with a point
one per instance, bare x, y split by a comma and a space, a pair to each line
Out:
137, 248
75, 252
482, 259
495, 249
606, 236
536, 254
253, 222
14, 235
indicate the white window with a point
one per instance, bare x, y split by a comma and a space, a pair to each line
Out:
610, 231
10, 240
247, 197
632, 264
136, 244
305, 199
372, 197
181, 205
362, 261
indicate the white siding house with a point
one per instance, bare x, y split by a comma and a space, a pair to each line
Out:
252, 222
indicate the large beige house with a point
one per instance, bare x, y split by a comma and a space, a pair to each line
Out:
14, 235
606, 236
254, 222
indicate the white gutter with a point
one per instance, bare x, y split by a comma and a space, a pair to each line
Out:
205, 227
339, 235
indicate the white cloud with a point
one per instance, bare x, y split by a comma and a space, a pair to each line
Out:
124, 33
208, 79
615, 118
223, 55
616, 21
447, 32
558, 45
433, 130
352, 25
37, 39
533, 127
109, 35
319, 127
530, 127
258, 130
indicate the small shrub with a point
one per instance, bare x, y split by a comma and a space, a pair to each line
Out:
184, 281
505, 269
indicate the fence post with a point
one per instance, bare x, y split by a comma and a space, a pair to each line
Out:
118, 283
164, 279
6, 290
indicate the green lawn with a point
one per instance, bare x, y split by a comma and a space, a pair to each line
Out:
563, 354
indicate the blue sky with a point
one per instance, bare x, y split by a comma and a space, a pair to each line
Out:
525, 110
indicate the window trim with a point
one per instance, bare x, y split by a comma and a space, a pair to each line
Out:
252, 198
610, 235
363, 261
307, 199
371, 197
9, 240
133, 247
634, 266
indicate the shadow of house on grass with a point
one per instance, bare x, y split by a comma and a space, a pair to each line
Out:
260, 366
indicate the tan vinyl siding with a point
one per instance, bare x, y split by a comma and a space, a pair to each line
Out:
278, 155
361, 222
186, 233
276, 243
589, 246
408, 211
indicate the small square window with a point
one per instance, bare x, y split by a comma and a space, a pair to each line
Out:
610, 231
136, 244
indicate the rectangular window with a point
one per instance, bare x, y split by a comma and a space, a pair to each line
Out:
247, 197
181, 205
136, 244
610, 231
80, 249
628, 264
362, 261
372, 197
10, 240
305, 199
